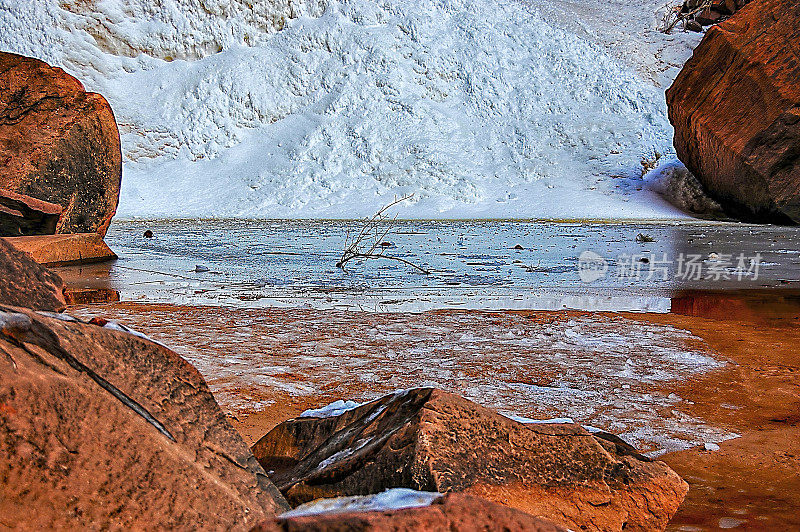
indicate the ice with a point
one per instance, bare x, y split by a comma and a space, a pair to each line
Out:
334, 409
481, 108
391, 499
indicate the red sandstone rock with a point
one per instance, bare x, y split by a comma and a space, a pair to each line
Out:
64, 250
23, 283
735, 107
430, 440
23, 215
58, 143
454, 512
102, 429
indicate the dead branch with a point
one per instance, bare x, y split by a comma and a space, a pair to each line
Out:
370, 241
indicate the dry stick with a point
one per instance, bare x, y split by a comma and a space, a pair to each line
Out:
373, 236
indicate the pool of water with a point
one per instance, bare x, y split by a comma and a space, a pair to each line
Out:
472, 264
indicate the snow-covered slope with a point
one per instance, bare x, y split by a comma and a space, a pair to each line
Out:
305, 108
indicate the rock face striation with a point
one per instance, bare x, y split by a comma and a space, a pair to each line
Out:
454, 512
24, 283
101, 428
430, 440
735, 107
58, 143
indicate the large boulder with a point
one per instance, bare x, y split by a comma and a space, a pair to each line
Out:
24, 283
101, 428
735, 107
454, 512
58, 143
430, 440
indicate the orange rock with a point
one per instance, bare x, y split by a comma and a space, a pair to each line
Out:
23, 283
735, 107
63, 250
24, 215
103, 429
454, 512
430, 440
58, 143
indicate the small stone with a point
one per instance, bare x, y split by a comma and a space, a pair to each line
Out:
148, 234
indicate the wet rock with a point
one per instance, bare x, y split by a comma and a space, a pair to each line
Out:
454, 512
148, 234
64, 250
23, 215
24, 283
430, 440
104, 429
58, 143
735, 107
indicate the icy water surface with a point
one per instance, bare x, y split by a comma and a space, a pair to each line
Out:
613, 373
477, 265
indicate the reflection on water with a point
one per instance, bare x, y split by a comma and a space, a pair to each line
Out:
477, 265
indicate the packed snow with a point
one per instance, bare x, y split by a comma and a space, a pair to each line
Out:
305, 108
391, 499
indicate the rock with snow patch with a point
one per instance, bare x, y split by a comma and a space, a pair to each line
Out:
24, 283
104, 429
58, 143
735, 108
430, 440
455, 512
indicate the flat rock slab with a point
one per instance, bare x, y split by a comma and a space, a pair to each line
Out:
89, 296
429, 440
24, 283
101, 428
64, 250
454, 512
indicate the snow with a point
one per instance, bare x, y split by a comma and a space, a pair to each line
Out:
481, 108
391, 499
334, 409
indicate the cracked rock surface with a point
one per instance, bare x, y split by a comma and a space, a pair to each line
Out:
429, 440
101, 428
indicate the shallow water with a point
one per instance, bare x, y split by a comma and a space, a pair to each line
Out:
473, 264
611, 372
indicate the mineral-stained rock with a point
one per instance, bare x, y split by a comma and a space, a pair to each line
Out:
103, 429
58, 143
24, 283
429, 440
23, 215
453, 512
735, 107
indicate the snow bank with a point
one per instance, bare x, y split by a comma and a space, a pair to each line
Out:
482, 108
391, 499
